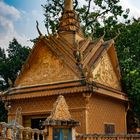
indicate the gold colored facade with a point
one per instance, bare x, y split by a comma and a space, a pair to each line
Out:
92, 112
84, 71
44, 67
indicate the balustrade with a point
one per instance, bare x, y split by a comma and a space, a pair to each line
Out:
20, 133
8, 132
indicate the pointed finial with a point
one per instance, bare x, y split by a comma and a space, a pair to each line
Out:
68, 5
37, 24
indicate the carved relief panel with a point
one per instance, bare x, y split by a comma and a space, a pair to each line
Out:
105, 74
45, 67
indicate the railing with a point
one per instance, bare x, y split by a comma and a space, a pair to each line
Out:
108, 137
16, 132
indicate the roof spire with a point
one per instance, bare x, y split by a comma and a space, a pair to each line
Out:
69, 21
68, 5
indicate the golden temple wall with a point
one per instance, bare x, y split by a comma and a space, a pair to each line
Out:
44, 67
100, 110
41, 108
104, 110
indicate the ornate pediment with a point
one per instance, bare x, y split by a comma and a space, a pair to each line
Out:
44, 67
60, 110
104, 73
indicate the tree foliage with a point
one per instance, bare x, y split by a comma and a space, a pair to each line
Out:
128, 47
93, 14
10, 65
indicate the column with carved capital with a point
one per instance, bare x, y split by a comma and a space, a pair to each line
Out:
87, 97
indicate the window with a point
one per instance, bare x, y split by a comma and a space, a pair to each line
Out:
62, 134
109, 128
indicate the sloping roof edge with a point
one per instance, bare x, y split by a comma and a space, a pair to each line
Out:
77, 86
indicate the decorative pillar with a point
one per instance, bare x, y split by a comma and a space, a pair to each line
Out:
87, 97
21, 134
32, 135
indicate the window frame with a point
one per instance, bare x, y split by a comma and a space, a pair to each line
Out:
109, 128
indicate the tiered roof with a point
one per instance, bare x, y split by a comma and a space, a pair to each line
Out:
78, 53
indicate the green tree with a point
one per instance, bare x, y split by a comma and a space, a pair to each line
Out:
3, 112
128, 48
3, 69
93, 14
10, 66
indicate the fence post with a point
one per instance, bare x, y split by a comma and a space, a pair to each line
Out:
44, 136
37, 136
32, 135
21, 134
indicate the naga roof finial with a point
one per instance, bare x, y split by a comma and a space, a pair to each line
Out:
68, 5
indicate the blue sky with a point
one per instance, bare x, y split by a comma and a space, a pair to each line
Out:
18, 19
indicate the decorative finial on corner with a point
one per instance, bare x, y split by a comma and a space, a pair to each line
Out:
37, 24
91, 36
103, 34
117, 35
68, 5
10, 82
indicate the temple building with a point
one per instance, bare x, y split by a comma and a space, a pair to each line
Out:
85, 71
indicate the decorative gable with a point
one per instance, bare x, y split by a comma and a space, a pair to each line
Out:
44, 67
60, 110
104, 73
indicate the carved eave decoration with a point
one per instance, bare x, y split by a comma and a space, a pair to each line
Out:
71, 87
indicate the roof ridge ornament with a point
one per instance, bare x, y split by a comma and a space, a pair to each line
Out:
37, 27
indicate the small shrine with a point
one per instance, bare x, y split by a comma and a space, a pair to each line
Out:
60, 125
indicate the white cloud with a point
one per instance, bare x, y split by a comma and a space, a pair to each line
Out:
134, 12
22, 39
6, 24
8, 16
9, 11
